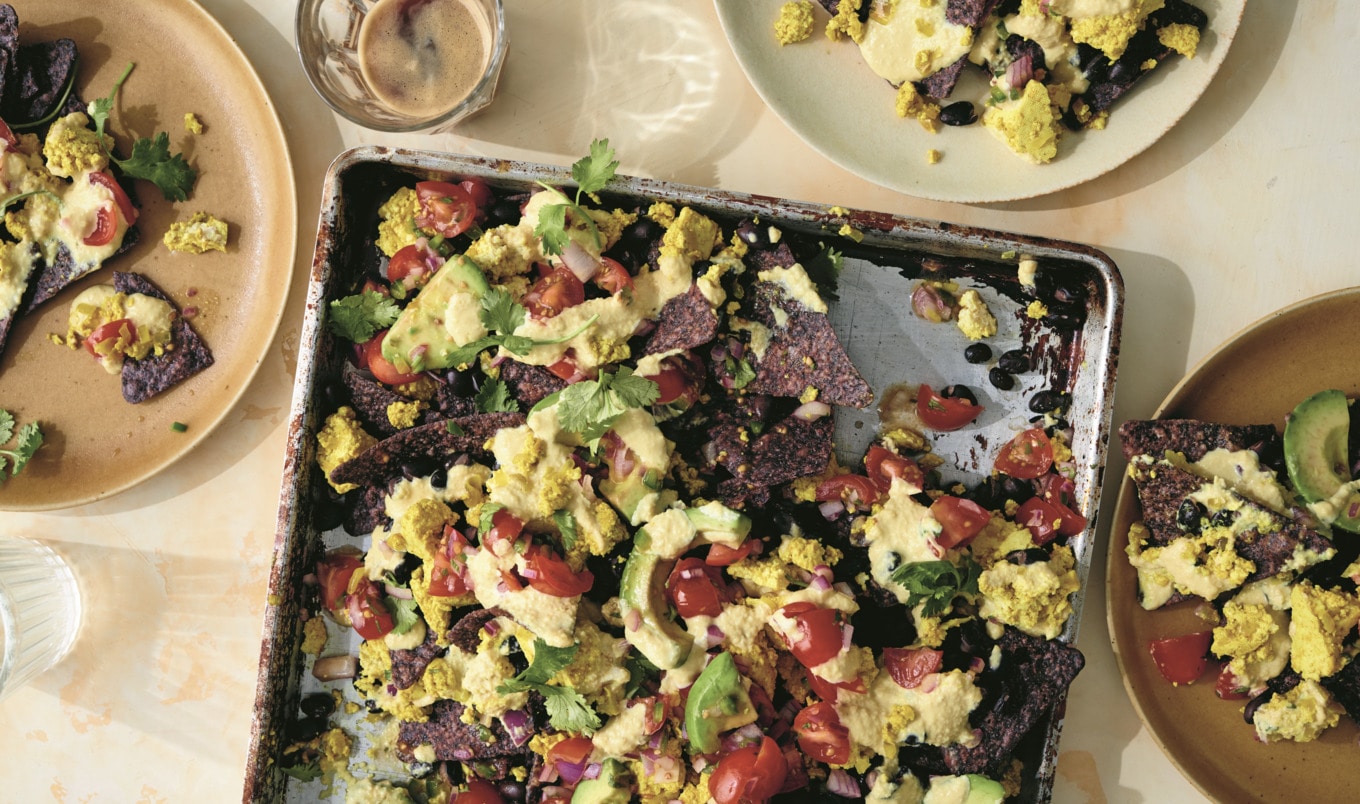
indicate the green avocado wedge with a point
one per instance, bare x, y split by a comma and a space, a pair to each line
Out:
1315, 455
420, 340
717, 702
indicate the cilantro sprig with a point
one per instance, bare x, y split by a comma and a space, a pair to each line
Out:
502, 315
494, 397
29, 439
568, 710
590, 407
937, 583
592, 173
151, 158
361, 316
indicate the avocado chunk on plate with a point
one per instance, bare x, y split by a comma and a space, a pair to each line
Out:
1315, 454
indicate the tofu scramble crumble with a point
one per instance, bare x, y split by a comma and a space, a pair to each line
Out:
608, 554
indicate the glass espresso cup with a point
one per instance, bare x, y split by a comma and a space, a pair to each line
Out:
403, 65
40, 610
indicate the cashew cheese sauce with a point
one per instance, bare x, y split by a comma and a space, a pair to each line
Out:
421, 57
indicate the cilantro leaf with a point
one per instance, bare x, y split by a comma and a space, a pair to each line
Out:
589, 408
29, 439
633, 391
303, 772
151, 158
824, 269
500, 312
742, 373
494, 397
567, 708
359, 317
548, 661
593, 172
937, 583
485, 523
552, 228
566, 525
502, 315
404, 614
640, 673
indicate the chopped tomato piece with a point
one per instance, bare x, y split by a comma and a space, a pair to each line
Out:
479, 791
821, 735
909, 666
367, 612
1181, 659
110, 330
413, 265
942, 412
505, 527
448, 570
384, 370
446, 209
105, 227
7, 135
1027, 456
573, 751
333, 574
882, 466
960, 520
679, 378
612, 277
749, 775
818, 636
554, 293
480, 192
720, 555
120, 196
1044, 519
1228, 687
696, 588
550, 575
853, 490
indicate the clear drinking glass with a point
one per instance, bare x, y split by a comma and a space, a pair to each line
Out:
40, 610
331, 42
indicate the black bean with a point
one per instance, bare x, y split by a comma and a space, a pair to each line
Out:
977, 353
1047, 401
893, 560
414, 469
1016, 361
318, 704
1188, 516
335, 393
327, 507
504, 210
960, 113
1000, 378
754, 234
512, 791
462, 383
305, 729
958, 392
1223, 518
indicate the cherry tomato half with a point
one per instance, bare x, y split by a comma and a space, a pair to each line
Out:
367, 613
720, 555
384, 370
695, 588
479, 791
505, 527
446, 209
1061, 493
105, 227
960, 520
882, 465
821, 735
818, 634
944, 413
612, 277
854, 490
749, 775
552, 576
572, 751
110, 330
413, 265
554, 293
7, 135
1181, 659
1026, 456
120, 196
1044, 519
567, 369
678, 379
480, 192
829, 691
1228, 687
909, 666
333, 573
448, 570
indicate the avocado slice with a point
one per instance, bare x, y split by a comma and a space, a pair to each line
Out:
969, 789
1315, 455
421, 330
642, 590
717, 702
614, 785
716, 522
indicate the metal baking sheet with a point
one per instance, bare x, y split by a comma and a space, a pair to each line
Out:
1076, 352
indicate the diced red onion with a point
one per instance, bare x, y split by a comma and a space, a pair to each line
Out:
930, 303
977, 665
843, 588
579, 261
710, 451
929, 683
819, 583
718, 353
737, 348
812, 411
334, 668
548, 773
592, 771
492, 628
831, 509
399, 592
571, 772
383, 548
871, 778
556, 793
1020, 72
632, 620
847, 635
698, 763
843, 784
518, 726
715, 635
644, 327
750, 734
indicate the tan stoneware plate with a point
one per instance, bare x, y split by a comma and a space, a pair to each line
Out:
1258, 376
97, 444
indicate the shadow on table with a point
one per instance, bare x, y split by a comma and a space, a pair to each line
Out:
1244, 74
556, 95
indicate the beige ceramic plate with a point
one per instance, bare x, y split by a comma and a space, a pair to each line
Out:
97, 444
1256, 377
829, 97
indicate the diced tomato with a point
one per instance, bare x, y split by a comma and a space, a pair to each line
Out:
413, 265
105, 227
960, 520
479, 791
656, 712
110, 330
446, 209
829, 691
720, 555
554, 293
448, 570
333, 573
696, 588
819, 633
1060, 492
678, 379
749, 775
855, 491
552, 576
944, 413
1228, 687
567, 369
505, 528
1026, 456
909, 666
7, 135
821, 735
367, 613
120, 196
882, 466
612, 277
1181, 659
384, 370
480, 192
572, 751
1044, 519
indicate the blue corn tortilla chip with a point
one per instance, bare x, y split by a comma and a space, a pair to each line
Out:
452, 739
435, 441
40, 78
49, 279
9, 46
530, 384
155, 374
804, 354
687, 321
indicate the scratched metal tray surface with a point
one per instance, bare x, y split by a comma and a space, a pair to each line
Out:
1075, 349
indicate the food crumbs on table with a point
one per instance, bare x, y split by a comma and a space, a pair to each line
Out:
911, 103
202, 232
1036, 309
192, 124
975, 320
1027, 270
179, 427
933, 157
794, 23
851, 232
